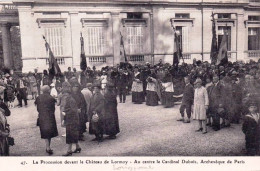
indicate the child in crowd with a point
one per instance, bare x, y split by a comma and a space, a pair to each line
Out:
251, 129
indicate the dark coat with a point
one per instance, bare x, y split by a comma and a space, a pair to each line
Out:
72, 120
38, 78
251, 130
47, 122
214, 92
4, 147
4, 150
188, 95
83, 79
10, 89
97, 104
18, 84
237, 98
46, 80
227, 100
68, 75
122, 80
111, 116
81, 104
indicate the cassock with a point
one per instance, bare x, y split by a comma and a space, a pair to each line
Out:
111, 122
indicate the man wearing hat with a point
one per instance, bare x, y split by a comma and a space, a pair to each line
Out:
38, 78
187, 100
237, 98
21, 88
96, 113
251, 129
111, 123
122, 81
215, 98
69, 74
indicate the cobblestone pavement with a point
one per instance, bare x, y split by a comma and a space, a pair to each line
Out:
145, 131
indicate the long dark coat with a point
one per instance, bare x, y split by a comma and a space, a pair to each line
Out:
47, 122
72, 120
251, 130
215, 97
227, 100
4, 147
83, 79
4, 150
111, 122
97, 104
81, 104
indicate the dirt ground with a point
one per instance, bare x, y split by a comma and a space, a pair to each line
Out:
145, 131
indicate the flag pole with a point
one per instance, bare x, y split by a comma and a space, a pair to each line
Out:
176, 37
121, 40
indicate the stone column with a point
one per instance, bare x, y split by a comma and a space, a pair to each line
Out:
241, 37
116, 38
7, 49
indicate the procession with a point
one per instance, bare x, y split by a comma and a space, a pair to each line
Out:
215, 97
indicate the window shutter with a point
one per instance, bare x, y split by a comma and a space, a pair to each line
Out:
55, 38
135, 39
185, 39
94, 38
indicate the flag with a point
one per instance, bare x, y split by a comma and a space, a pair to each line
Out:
122, 47
54, 68
222, 53
177, 50
214, 44
83, 61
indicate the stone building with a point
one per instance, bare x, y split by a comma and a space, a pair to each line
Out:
146, 27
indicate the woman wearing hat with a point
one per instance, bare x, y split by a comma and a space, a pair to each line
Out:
81, 106
201, 103
46, 107
72, 119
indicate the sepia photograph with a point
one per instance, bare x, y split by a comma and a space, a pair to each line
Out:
124, 78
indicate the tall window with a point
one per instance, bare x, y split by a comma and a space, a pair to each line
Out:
183, 33
55, 38
254, 38
94, 40
221, 31
135, 39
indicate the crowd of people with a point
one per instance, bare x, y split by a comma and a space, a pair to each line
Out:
216, 96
